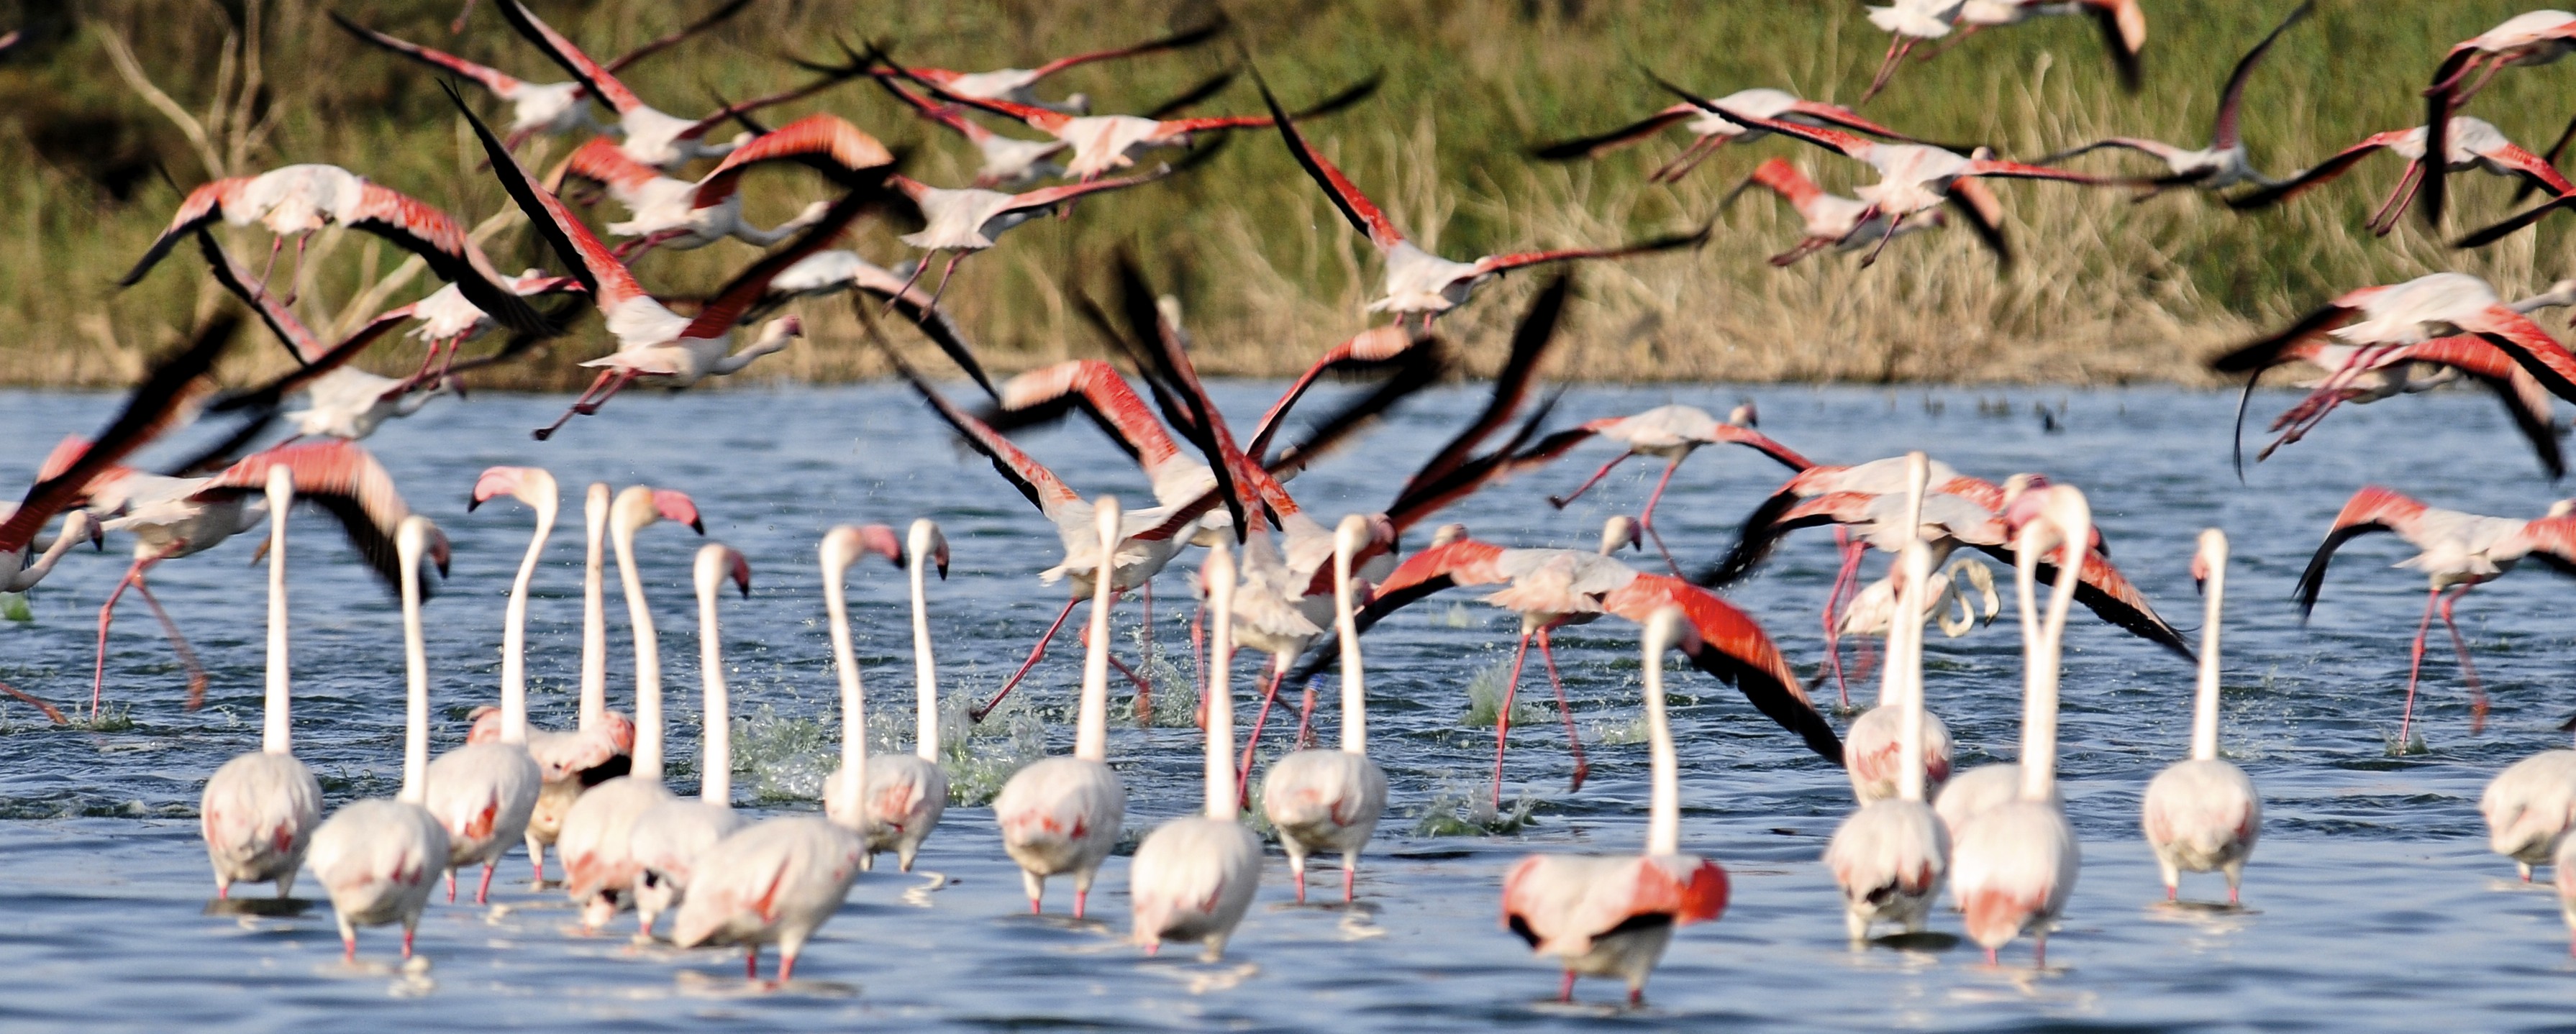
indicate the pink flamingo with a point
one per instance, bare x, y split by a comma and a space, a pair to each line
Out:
1193, 877
1613, 916
1891, 856
2466, 143
663, 211
892, 802
1018, 85
775, 881
1327, 800
1062, 814
2222, 164
668, 838
2362, 374
1711, 132
1908, 22
259, 811
2530, 38
965, 221
1874, 746
1832, 220
2529, 807
2456, 552
1670, 433
2202, 814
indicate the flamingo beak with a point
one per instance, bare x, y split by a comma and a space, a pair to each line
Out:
676, 505
742, 574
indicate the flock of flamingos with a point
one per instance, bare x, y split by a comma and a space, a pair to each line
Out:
1273, 579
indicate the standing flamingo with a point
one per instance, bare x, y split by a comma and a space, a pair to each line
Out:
1891, 856
1875, 745
1192, 878
379, 858
483, 793
1611, 916
1062, 814
2457, 552
2203, 814
1831, 220
1669, 433
1330, 800
259, 811
1711, 132
2222, 164
668, 837
775, 881
907, 793
2466, 143
2529, 808
600, 863
2013, 866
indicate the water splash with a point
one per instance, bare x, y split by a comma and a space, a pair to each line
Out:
1468, 811
1485, 699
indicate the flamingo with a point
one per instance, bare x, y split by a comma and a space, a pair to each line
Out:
1875, 745
2222, 164
2013, 866
172, 517
1322, 800
2202, 813
1711, 132
1670, 433
655, 344
379, 858
1007, 161
965, 221
1193, 877
775, 881
1916, 178
2467, 143
601, 865
448, 319
655, 138
892, 802
483, 792
2457, 552
1103, 144
299, 200
663, 211
550, 109
1062, 814
1612, 916
1417, 281
21, 570
1832, 220
341, 401
1908, 22
259, 811
1891, 855
668, 838
1018, 85
2529, 38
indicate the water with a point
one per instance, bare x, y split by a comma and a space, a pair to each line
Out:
2372, 900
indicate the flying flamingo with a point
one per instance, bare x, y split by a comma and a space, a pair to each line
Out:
1103, 144
379, 858
259, 811
2467, 143
342, 401
654, 344
1329, 800
1612, 916
1876, 743
837, 270
661, 140
2457, 552
965, 221
2013, 866
299, 200
1892, 854
551, 109
1193, 877
663, 211
775, 881
1670, 433
2529, 807
1062, 814
1711, 132
1018, 85
2362, 374
1007, 161
1909, 22
600, 863
2222, 164
1832, 220
1917, 178
2530, 38
2203, 814
668, 838
1417, 281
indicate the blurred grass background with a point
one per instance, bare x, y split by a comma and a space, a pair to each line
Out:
2106, 290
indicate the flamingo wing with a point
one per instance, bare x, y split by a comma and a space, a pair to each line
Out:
1984, 215
2547, 361
712, 19
2525, 401
201, 208
1764, 444
2124, 31
2323, 173
1837, 115
2113, 598
1530, 341
493, 79
738, 296
2515, 223
1996, 168
600, 160
155, 406
314, 359
608, 281
598, 79
1041, 119
2373, 509
1363, 214
1047, 197
2550, 156
1731, 646
2231, 100
2271, 351
1603, 143
1043, 489
2550, 540
341, 479
1832, 140
940, 113
1176, 41
1519, 260
1376, 346
1761, 533
425, 231
2534, 170
740, 108
827, 143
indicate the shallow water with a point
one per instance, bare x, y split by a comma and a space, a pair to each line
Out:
2372, 902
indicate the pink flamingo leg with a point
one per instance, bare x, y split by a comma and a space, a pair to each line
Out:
1897, 48
52, 714
918, 268
1565, 991
1646, 519
1894, 220
1682, 164
1081, 900
407, 932
978, 714
2469, 671
275, 245
1561, 501
451, 886
619, 383
786, 969
2416, 667
2399, 197
596, 384
179, 643
1503, 717
942, 289
1847, 575
1350, 882
107, 613
1573, 740
483, 890
1269, 695
751, 962
1306, 720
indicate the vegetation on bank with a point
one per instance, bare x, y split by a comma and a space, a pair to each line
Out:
2105, 289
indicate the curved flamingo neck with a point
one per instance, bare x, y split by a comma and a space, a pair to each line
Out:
1091, 735
1664, 802
1222, 799
925, 665
845, 663
514, 632
594, 612
2204, 704
648, 660
276, 731
715, 729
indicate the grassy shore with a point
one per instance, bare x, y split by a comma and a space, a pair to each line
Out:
2106, 290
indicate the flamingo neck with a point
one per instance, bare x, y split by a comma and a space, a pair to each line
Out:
1664, 802
925, 665
276, 731
1222, 802
1905, 653
648, 661
514, 634
1091, 735
2204, 704
594, 614
845, 662
1354, 682
715, 729
74, 527
415, 789
2039, 675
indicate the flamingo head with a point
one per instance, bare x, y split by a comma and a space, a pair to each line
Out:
1447, 533
717, 562
530, 485
1743, 416
1619, 530
671, 504
846, 543
926, 540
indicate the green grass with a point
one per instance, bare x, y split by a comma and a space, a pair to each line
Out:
2106, 290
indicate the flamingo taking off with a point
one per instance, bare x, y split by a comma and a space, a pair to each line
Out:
1892, 854
1710, 132
836, 270
1329, 800
1062, 814
2529, 38
668, 838
341, 401
1612, 916
2467, 143
1193, 877
1669, 433
2222, 164
259, 811
1832, 220
379, 858
664, 211
2456, 552
2202, 814
2013, 866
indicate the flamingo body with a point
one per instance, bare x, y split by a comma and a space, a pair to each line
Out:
1889, 859
259, 814
600, 865
1323, 800
1609, 916
2528, 807
773, 882
2203, 816
1191, 880
1870, 749
907, 794
1061, 815
378, 859
2012, 870
482, 795
667, 842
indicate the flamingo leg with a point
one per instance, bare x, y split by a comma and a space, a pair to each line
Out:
1565, 991
1269, 695
451, 886
52, 713
1198, 648
1849, 574
1806, 247
624, 378
1573, 740
2466, 67
407, 932
1503, 717
179, 643
2415, 668
1561, 501
1306, 719
2399, 197
1646, 519
483, 890
1682, 164
1036, 652
2469, 671
918, 268
596, 383
1894, 220
942, 289
751, 962
1953, 41
1897, 48
275, 245
1144, 691
786, 969
2485, 77
294, 275
107, 613
1350, 878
